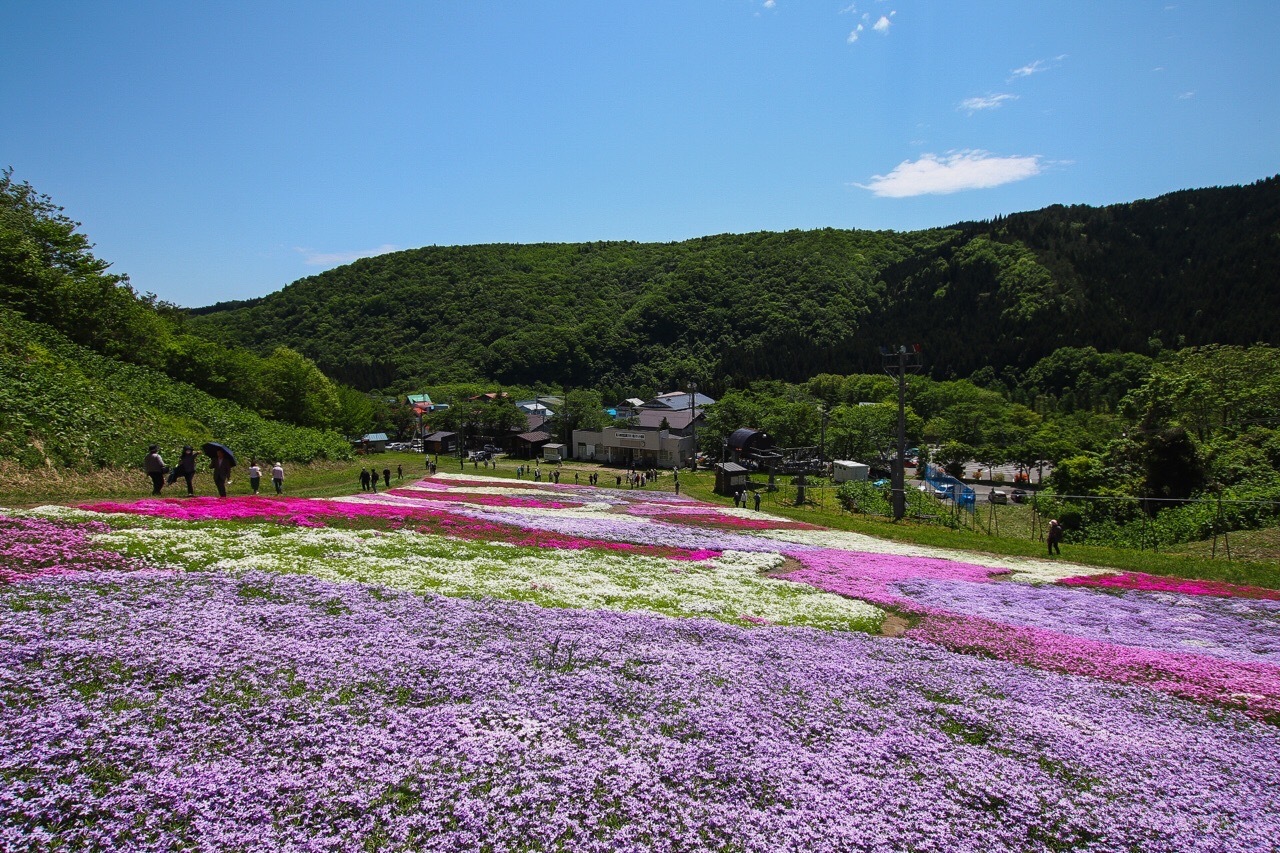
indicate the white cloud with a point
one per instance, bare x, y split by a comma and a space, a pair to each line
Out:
986, 102
882, 26
853, 36
769, 4
327, 259
1186, 96
961, 170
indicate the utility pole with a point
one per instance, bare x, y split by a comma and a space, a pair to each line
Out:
693, 421
897, 362
822, 441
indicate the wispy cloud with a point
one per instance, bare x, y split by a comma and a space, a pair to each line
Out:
313, 258
882, 25
985, 102
954, 172
1030, 68
1186, 96
769, 4
855, 34
1037, 67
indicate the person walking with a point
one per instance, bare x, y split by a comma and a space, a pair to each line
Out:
255, 475
155, 468
186, 468
399, 472
277, 477
386, 476
755, 496
1054, 537
364, 479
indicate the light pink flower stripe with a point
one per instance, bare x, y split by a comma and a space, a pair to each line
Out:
1252, 686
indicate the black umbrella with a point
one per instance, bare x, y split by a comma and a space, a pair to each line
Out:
212, 448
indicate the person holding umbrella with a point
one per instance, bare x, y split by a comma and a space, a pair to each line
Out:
223, 461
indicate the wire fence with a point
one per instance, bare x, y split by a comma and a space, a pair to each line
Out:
1118, 521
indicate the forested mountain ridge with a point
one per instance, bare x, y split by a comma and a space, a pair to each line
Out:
1192, 267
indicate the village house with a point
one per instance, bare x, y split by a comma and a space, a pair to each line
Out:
660, 433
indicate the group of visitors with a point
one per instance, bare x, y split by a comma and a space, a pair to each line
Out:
521, 470
369, 478
220, 464
740, 499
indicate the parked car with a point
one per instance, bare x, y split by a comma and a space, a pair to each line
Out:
998, 496
1018, 496
492, 449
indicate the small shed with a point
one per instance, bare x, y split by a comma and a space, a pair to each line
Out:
529, 444
730, 477
440, 442
845, 470
553, 452
373, 442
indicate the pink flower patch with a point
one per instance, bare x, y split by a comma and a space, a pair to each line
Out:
1155, 583
482, 500
39, 547
1254, 687
869, 576
310, 512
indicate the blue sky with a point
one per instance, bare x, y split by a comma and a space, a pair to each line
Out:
222, 150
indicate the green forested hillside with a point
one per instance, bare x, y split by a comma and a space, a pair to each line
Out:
1190, 268
1187, 269
595, 314
66, 406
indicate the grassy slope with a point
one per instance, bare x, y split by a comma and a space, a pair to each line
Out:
63, 407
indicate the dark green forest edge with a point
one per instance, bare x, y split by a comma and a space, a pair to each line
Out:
1127, 345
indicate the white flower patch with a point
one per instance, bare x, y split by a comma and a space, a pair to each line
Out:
730, 587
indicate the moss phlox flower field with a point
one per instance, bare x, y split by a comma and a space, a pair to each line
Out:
480, 663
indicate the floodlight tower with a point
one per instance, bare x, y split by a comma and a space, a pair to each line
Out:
898, 361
